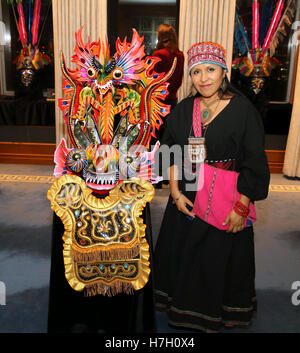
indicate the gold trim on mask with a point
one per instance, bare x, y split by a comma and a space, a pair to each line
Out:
105, 249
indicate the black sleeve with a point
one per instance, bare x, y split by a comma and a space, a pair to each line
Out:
164, 158
168, 139
254, 177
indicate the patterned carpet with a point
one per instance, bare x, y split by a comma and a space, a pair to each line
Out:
25, 223
50, 179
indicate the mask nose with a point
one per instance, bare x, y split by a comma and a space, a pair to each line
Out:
105, 159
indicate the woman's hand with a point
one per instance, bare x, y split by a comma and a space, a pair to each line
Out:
182, 203
236, 222
180, 200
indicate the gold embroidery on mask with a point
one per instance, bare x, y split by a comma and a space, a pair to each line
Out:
105, 249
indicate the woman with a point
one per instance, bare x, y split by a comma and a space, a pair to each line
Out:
204, 276
167, 50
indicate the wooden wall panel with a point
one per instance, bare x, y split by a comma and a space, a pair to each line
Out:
27, 153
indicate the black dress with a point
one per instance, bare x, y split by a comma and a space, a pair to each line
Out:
204, 277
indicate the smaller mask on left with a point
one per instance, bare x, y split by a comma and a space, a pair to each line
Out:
28, 62
27, 77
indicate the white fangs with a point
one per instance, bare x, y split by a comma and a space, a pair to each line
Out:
102, 179
104, 88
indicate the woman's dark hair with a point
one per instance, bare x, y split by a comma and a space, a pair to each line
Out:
167, 38
227, 89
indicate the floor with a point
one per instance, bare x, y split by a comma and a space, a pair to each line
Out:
25, 223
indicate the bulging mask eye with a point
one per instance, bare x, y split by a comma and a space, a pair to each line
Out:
91, 72
118, 74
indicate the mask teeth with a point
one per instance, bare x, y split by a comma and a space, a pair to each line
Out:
102, 179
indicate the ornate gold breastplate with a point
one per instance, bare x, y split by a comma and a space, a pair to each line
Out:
105, 249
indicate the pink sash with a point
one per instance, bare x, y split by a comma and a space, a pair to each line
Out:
216, 189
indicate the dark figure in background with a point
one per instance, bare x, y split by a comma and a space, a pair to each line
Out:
29, 85
167, 50
259, 100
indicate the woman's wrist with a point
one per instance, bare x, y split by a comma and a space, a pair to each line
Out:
176, 195
245, 200
241, 209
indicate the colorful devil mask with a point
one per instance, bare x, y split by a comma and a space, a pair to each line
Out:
112, 108
259, 61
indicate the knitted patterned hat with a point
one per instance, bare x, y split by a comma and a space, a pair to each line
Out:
206, 52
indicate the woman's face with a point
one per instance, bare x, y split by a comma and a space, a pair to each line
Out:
207, 79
